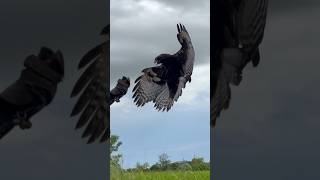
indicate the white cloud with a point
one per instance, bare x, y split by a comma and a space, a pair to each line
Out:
198, 91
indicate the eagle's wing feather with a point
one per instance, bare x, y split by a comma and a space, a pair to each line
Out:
220, 97
146, 90
150, 87
251, 21
164, 101
86, 77
93, 100
90, 56
181, 85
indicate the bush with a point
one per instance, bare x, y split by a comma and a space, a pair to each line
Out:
184, 167
198, 164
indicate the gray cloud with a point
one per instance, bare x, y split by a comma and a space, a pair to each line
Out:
52, 149
140, 33
186, 5
287, 6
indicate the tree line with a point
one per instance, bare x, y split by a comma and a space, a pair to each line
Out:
163, 163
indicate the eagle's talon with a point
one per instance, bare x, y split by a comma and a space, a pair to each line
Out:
153, 74
157, 61
25, 124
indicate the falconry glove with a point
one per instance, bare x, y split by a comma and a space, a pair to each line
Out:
120, 90
35, 89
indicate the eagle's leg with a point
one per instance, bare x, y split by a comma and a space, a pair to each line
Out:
155, 77
117, 99
21, 119
150, 72
189, 79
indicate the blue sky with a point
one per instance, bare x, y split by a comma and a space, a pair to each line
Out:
140, 31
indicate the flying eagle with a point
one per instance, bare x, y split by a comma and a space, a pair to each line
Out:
238, 29
163, 84
94, 85
33, 91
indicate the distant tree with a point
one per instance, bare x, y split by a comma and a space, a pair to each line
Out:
114, 147
185, 166
138, 166
164, 161
129, 170
173, 166
142, 167
145, 166
198, 164
155, 167
115, 143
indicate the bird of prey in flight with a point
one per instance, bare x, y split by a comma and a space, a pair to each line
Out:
238, 29
34, 90
163, 83
93, 83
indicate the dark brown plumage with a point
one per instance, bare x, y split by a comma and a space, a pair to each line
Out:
163, 84
238, 29
93, 83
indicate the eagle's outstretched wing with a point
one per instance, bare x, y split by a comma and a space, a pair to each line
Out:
186, 54
251, 21
93, 83
150, 87
237, 43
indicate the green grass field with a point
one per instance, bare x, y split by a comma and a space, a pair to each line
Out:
166, 175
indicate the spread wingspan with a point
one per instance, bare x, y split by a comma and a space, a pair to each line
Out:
163, 84
92, 103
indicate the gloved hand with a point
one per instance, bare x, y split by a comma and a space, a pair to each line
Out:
120, 90
34, 90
